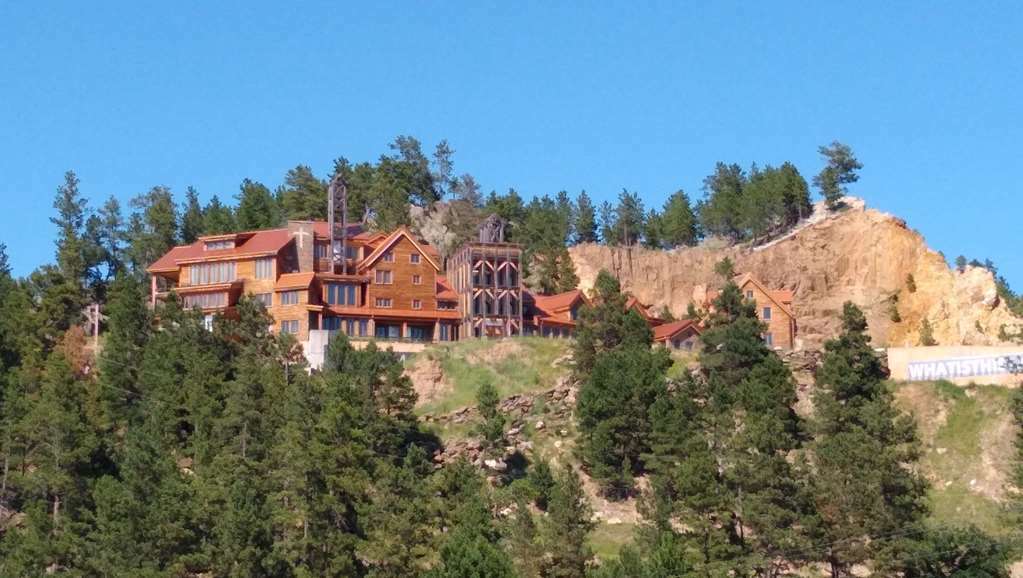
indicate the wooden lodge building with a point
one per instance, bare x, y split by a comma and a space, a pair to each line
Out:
395, 287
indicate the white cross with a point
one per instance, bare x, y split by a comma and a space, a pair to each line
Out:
301, 234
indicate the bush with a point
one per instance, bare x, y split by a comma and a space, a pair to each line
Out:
910, 283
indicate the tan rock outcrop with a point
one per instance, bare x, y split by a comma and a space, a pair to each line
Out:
860, 255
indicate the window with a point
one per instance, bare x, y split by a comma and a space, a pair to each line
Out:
445, 332
766, 314
332, 323
446, 305
384, 277
289, 326
341, 294
207, 323
417, 304
321, 250
388, 331
265, 268
383, 301
417, 279
417, 333
363, 327
749, 294
265, 298
289, 297
769, 339
210, 273
388, 257
206, 300
413, 258
223, 244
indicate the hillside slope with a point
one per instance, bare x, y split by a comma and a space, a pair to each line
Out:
860, 255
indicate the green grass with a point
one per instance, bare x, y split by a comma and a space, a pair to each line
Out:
467, 364
680, 363
607, 540
955, 453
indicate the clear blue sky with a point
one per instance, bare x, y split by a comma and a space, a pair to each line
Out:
538, 96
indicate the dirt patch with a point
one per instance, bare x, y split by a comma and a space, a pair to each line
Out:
996, 443
930, 412
427, 379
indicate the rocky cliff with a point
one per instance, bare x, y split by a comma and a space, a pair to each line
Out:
858, 254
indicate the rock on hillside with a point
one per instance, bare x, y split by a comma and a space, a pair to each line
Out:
860, 255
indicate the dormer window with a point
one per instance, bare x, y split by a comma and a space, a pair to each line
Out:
221, 244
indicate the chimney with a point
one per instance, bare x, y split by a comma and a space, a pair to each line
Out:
305, 243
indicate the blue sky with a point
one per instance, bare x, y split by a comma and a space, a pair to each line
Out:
538, 96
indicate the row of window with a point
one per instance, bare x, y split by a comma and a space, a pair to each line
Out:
385, 277
342, 294
224, 244
414, 258
205, 300
320, 250
210, 273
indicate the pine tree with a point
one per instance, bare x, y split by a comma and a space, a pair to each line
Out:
721, 211
720, 446
152, 229
492, 426
679, 226
72, 210
630, 218
191, 217
564, 535
652, 230
606, 325
585, 224
217, 218
257, 208
303, 196
839, 171
863, 451
128, 330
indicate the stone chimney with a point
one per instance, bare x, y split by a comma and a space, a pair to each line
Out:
305, 243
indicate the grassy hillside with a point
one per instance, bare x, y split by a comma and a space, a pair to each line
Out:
967, 434
513, 366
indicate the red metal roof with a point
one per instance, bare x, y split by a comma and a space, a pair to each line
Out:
668, 330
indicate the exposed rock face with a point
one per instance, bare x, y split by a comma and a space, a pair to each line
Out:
859, 255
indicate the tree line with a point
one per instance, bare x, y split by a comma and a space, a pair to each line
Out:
405, 186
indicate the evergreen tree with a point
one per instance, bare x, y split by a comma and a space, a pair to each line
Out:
863, 451
927, 333
609, 232
492, 427
720, 444
153, 228
839, 171
217, 218
192, 220
652, 230
128, 331
950, 553
960, 263
257, 208
70, 222
303, 196
585, 222
721, 210
606, 325
630, 217
564, 536
679, 226
110, 237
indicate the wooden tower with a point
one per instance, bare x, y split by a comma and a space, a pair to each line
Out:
486, 274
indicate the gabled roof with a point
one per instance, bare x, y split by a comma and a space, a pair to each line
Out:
389, 242
444, 290
776, 297
668, 330
558, 302
255, 244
